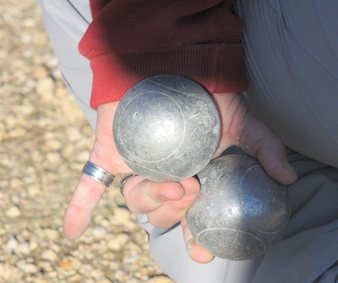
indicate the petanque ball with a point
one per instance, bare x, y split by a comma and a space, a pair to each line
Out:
240, 210
167, 128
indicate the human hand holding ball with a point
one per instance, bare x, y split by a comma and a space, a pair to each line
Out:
167, 128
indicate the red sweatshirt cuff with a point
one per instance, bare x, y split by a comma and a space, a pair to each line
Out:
218, 66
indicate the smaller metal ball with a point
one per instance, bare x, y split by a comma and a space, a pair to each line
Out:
167, 128
240, 209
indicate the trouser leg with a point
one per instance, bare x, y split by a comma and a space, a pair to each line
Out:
66, 21
308, 249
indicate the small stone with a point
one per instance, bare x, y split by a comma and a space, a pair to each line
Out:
24, 248
40, 280
27, 267
36, 156
10, 122
13, 212
26, 235
73, 134
27, 109
18, 133
66, 264
52, 145
119, 275
12, 244
54, 158
2, 231
105, 280
29, 23
49, 255
52, 62
30, 177
56, 73
45, 265
3, 184
33, 190
40, 73
44, 86
99, 232
67, 150
55, 247
97, 274
75, 278
10, 273
85, 269
118, 242
26, 38
33, 245
16, 184
61, 92
82, 156
15, 199
52, 274
51, 234
121, 216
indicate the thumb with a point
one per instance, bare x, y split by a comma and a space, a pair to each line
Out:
194, 250
257, 139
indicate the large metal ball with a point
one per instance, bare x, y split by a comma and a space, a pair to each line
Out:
240, 209
167, 128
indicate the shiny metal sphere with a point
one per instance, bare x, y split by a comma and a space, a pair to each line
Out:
167, 128
240, 209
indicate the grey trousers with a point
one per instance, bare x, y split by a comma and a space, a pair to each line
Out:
291, 51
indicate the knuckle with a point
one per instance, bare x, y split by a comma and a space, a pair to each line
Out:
75, 208
160, 223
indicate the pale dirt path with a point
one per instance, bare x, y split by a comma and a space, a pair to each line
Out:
44, 141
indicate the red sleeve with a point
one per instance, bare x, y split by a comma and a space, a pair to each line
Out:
129, 40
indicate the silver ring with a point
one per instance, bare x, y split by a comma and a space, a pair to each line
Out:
98, 174
124, 180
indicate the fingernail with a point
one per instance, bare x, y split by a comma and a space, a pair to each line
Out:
288, 167
197, 253
189, 246
292, 174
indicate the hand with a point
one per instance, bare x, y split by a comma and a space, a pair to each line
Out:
241, 128
166, 203
138, 191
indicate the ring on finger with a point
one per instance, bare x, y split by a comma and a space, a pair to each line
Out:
124, 180
98, 174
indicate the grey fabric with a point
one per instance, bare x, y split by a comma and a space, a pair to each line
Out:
291, 49
305, 252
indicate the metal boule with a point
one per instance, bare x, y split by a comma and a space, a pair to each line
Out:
240, 210
167, 128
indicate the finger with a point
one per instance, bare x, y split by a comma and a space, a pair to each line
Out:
143, 196
273, 158
191, 188
86, 195
88, 191
195, 251
172, 211
259, 141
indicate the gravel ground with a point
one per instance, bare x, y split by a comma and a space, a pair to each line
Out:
45, 141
